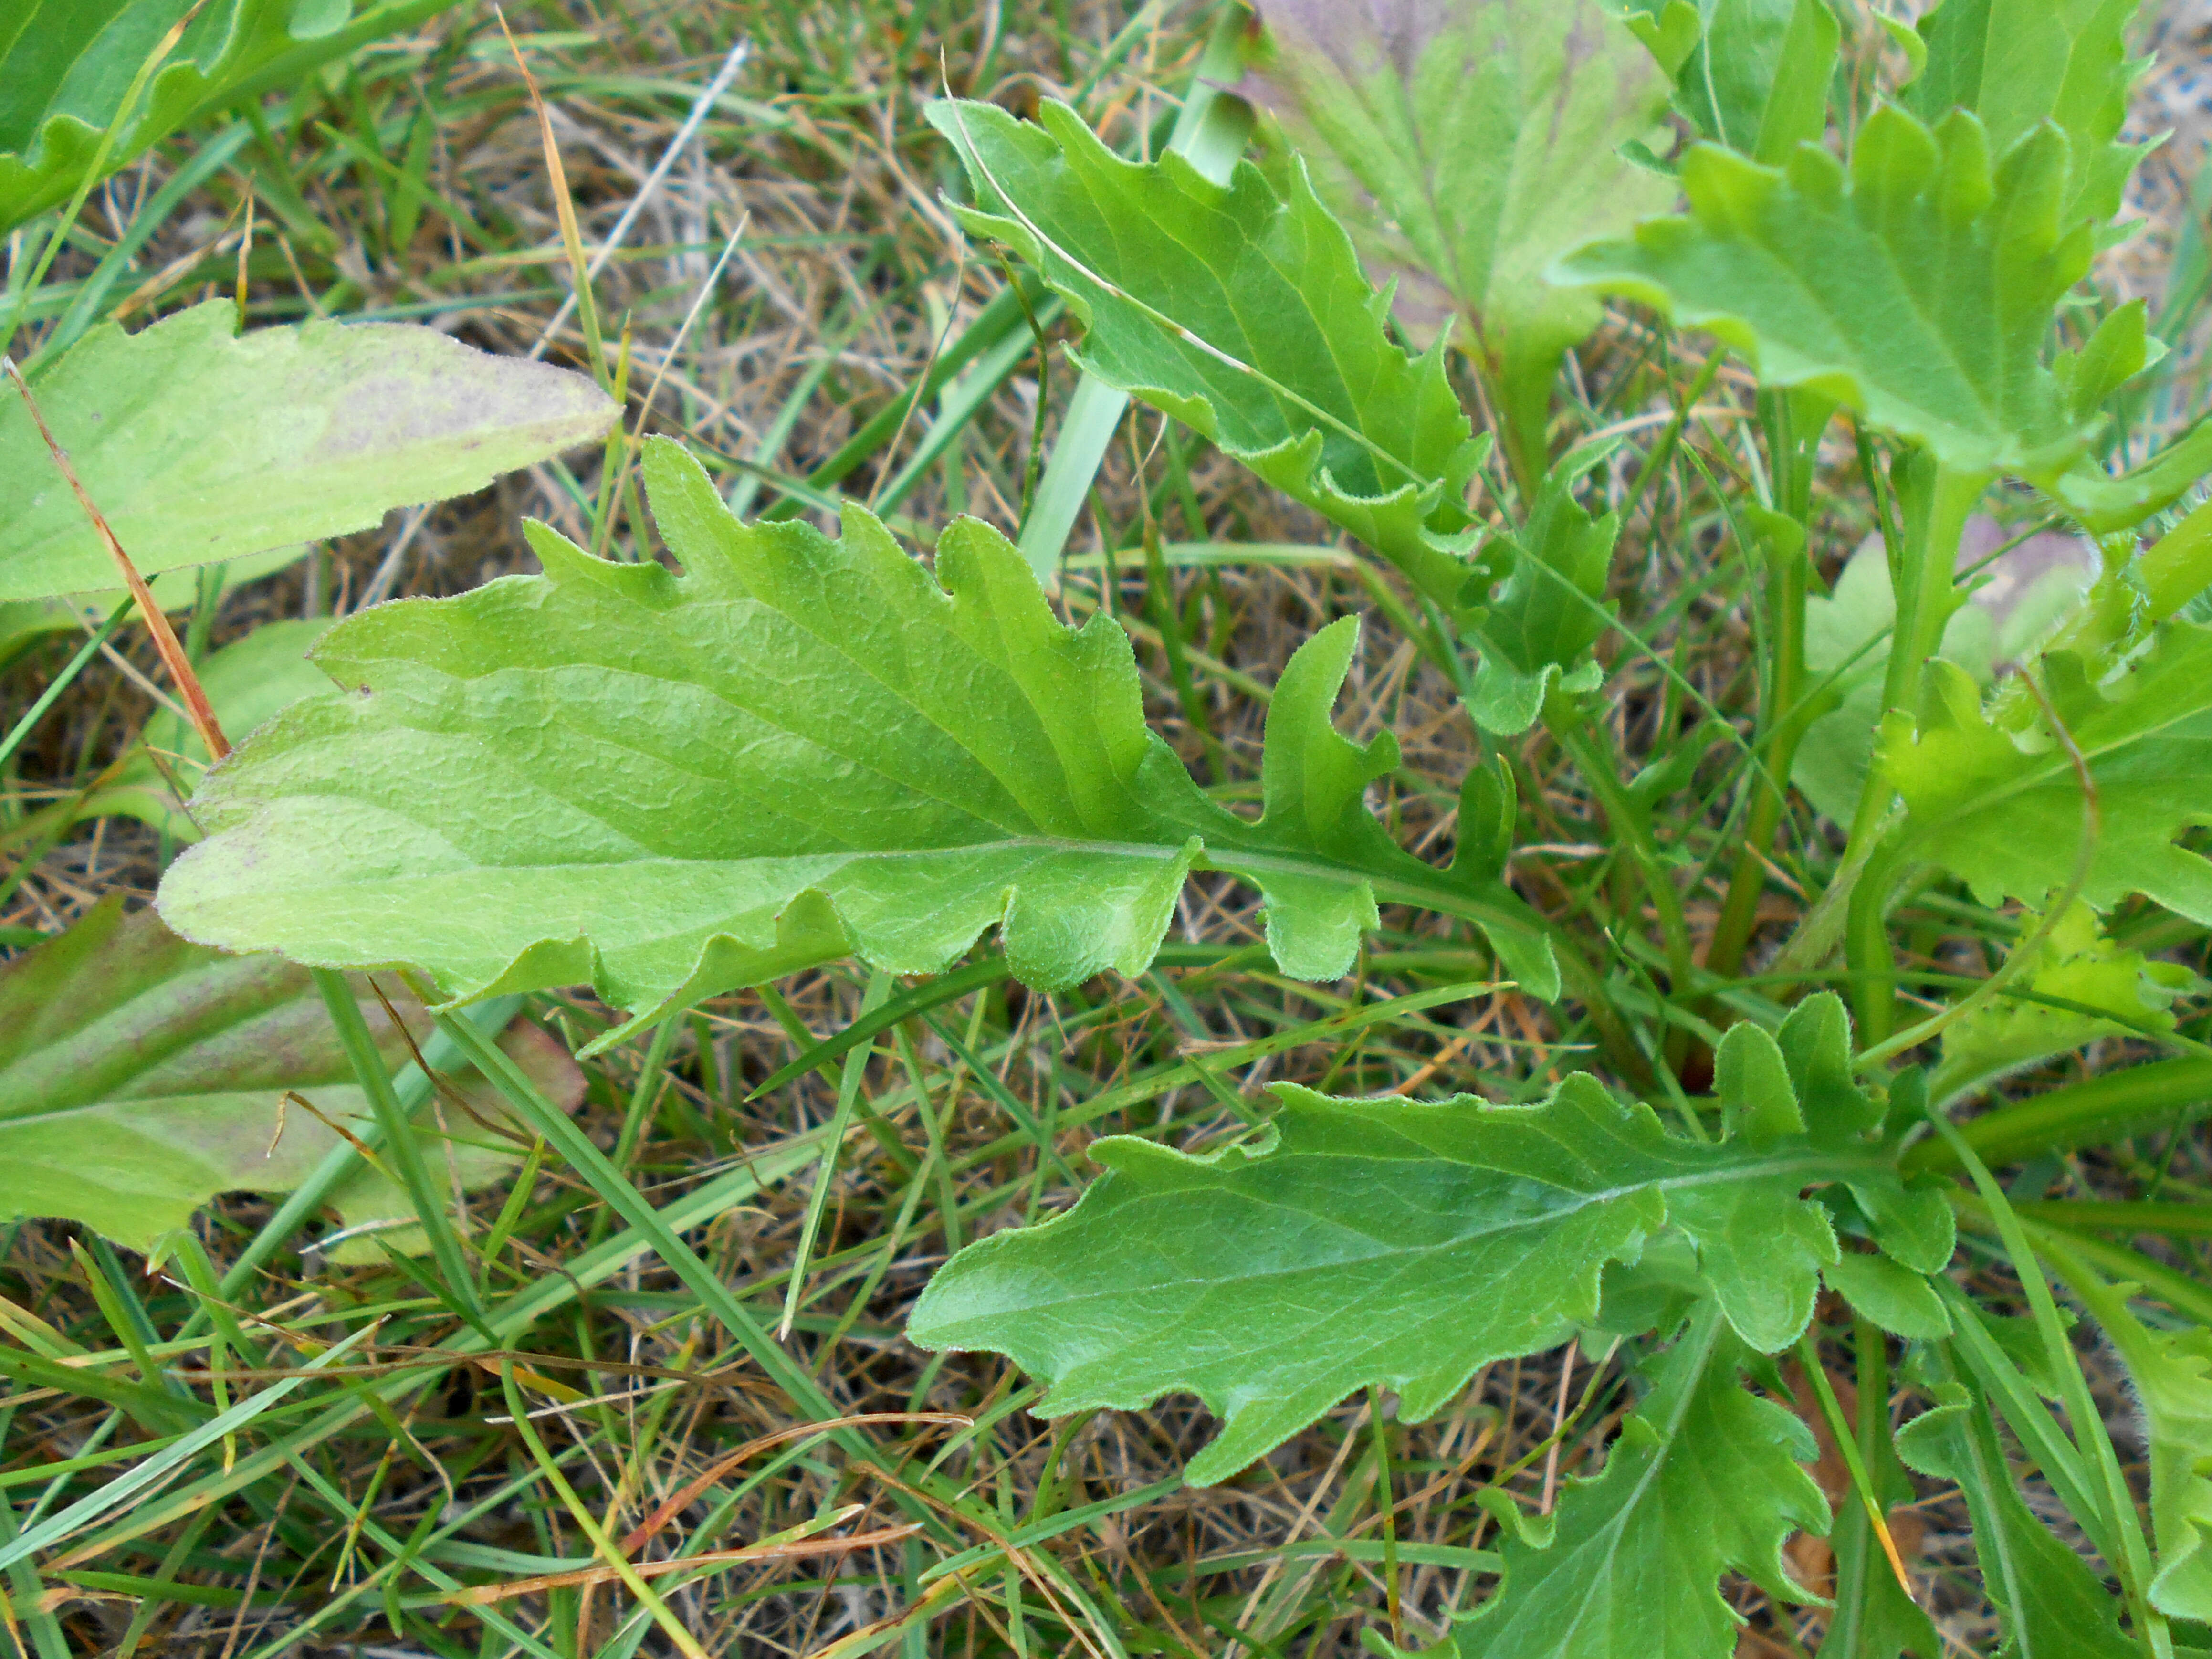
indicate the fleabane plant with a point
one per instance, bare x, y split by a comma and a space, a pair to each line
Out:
800, 749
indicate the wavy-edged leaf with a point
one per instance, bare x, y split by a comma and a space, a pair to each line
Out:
2076, 964
1918, 286
1242, 311
66, 64
2003, 812
140, 1075
1704, 1479
799, 749
1467, 146
1550, 608
2053, 1605
2016, 63
1382, 1243
197, 444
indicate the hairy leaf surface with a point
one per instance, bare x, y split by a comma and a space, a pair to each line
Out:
1702, 1479
1240, 310
2053, 1605
140, 1075
198, 445
2016, 63
1385, 1243
1467, 146
2004, 812
800, 749
1918, 286
66, 64
2172, 1375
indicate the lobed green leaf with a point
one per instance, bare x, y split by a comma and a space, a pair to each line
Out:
1240, 310
1404, 1245
1704, 1479
1918, 285
668, 785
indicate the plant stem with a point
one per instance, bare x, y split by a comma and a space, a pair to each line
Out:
1630, 821
1936, 501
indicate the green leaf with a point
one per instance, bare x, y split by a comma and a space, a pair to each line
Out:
2019, 595
1392, 1244
1550, 608
2017, 64
2172, 1375
1757, 81
248, 683
66, 64
140, 1075
800, 749
2003, 812
2052, 1602
198, 446
1894, 1298
2076, 964
1918, 287
1704, 1479
1241, 310
1465, 149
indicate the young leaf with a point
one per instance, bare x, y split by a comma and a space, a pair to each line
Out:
140, 1075
1465, 147
2172, 1375
2016, 63
2053, 1605
1550, 607
801, 749
2020, 594
198, 446
65, 65
1240, 310
2004, 813
1391, 1243
1918, 287
2077, 965
1704, 1479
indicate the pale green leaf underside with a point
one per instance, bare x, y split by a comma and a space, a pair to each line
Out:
2009, 821
140, 1075
1918, 288
1467, 155
66, 64
1702, 1479
198, 446
1265, 277
1371, 1242
800, 749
